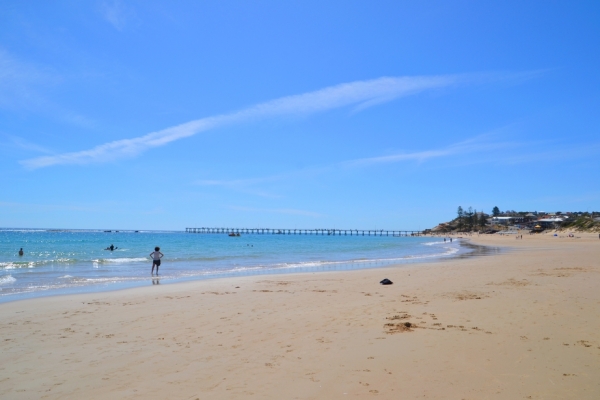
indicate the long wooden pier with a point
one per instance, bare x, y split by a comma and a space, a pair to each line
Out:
328, 232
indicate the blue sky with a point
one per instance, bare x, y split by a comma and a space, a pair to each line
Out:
295, 114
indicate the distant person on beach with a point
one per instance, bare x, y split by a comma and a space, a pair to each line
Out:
156, 256
21, 251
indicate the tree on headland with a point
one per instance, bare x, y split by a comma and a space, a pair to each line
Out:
482, 221
468, 220
460, 214
469, 214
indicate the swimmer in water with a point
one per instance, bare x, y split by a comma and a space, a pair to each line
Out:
21, 251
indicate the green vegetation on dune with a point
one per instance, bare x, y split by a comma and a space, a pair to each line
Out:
470, 220
585, 222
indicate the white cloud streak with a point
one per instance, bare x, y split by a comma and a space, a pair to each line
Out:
475, 145
115, 13
480, 144
17, 79
18, 142
362, 94
22, 87
488, 150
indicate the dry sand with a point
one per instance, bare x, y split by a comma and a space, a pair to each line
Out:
523, 324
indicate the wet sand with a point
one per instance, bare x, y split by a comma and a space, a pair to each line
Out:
522, 323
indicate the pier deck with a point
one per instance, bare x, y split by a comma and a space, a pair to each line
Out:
323, 232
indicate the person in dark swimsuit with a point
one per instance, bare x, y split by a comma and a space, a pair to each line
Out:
156, 256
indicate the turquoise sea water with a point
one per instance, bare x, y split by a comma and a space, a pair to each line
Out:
74, 261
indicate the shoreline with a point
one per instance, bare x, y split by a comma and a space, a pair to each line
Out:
464, 249
476, 251
511, 325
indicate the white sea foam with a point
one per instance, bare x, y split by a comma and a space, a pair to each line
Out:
111, 279
7, 279
243, 269
125, 260
448, 252
11, 265
119, 260
433, 243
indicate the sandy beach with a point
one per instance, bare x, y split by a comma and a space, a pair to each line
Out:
520, 324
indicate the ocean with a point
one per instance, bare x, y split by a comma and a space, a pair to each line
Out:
75, 261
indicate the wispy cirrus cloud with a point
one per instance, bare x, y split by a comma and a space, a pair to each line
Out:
479, 149
479, 144
116, 13
359, 94
18, 81
557, 153
124, 147
23, 86
18, 142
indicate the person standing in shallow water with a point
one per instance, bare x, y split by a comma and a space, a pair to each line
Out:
21, 251
156, 256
